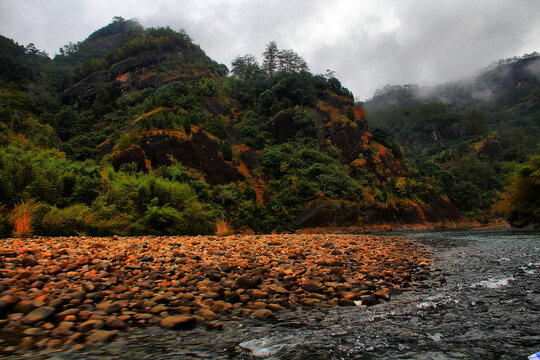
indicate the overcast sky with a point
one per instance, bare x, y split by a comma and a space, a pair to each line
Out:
367, 43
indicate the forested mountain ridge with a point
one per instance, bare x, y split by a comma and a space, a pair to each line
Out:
504, 84
504, 98
137, 131
479, 129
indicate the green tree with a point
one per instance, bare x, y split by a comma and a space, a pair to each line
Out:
525, 194
245, 67
66, 123
290, 61
271, 58
226, 150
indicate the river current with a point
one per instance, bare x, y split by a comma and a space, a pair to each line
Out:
481, 301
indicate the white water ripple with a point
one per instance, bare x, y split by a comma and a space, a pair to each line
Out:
493, 283
262, 347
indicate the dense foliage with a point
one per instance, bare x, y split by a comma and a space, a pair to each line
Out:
524, 198
137, 131
476, 130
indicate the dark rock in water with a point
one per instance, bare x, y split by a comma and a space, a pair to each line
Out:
523, 225
262, 314
384, 295
369, 301
346, 302
178, 322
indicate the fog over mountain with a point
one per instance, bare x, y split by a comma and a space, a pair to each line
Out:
368, 44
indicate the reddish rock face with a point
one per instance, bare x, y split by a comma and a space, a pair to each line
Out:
491, 149
342, 213
199, 152
133, 155
136, 73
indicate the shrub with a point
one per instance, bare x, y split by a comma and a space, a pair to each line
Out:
21, 217
120, 224
223, 228
226, 150
164, 220
6, 227
199, 219
72, 220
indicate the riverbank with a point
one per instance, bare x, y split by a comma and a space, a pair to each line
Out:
398, 227
75, 292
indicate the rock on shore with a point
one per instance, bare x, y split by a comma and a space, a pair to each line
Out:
72, 292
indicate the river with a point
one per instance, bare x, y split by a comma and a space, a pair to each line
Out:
481, 301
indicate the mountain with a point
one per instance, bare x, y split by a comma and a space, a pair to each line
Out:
504, 98
478, 130
138, 131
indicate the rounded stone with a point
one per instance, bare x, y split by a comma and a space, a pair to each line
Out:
262, 314
178, 322
38, 314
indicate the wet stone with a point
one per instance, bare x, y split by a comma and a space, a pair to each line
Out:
99, 336
257, 294
29, 260
24, 306
90, 325
346, 302
96, 285
247, 283
26, 344
262, 314
33, 331
38, 314
113, 322
178, 322
209, 314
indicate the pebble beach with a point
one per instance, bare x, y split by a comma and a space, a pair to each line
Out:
77, 292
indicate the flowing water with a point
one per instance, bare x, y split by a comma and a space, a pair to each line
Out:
487, 306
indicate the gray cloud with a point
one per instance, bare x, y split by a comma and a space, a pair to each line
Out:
368, 43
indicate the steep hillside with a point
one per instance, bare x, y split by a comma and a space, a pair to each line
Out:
135, 131
477, 129
505, 99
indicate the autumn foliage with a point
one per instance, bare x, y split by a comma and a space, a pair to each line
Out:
21, 216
